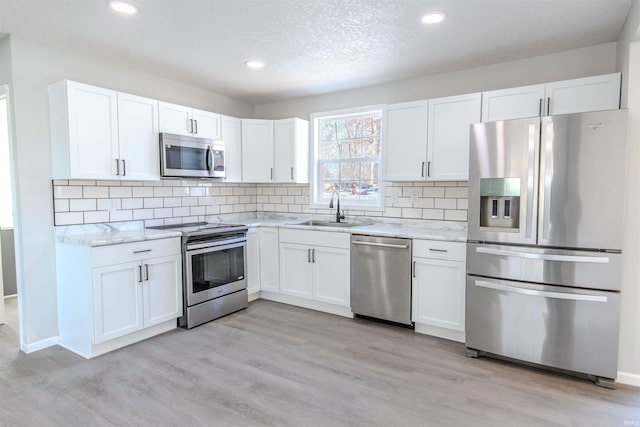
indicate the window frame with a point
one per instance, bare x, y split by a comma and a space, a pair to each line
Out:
314, 162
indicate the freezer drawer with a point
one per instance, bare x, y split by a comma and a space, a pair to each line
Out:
582, 269
565, 328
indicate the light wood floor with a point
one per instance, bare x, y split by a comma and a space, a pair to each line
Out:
279, 365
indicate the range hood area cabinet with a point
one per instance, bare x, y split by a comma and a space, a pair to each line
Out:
275, 151
181, 120
98, 133
429, 140
564, 97
231, 134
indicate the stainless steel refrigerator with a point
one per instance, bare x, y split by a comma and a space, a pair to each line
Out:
544, 252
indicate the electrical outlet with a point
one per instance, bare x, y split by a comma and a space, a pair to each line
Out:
113, 205
414, 197
394, 199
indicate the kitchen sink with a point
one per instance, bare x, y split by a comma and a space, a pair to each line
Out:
317, 223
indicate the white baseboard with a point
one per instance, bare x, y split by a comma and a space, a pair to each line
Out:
307, 303
628, 378
6, 297
39, 345
440, 332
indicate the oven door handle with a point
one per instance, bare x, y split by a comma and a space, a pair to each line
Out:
198, 248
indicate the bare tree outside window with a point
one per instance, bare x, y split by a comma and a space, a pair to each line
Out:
348, 158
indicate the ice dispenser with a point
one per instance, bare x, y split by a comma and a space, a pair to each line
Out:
500, 202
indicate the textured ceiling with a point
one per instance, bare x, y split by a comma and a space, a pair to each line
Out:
312, 46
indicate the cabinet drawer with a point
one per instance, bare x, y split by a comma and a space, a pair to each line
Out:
135, 251
453, 251
316, 238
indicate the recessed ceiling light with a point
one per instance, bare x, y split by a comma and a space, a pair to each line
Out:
433, 17
123, 7
254, 64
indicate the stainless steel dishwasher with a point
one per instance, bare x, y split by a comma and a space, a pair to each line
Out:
381, 278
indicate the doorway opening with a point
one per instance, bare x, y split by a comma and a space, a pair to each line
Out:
9, 323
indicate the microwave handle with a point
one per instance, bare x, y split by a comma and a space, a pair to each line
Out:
209, 159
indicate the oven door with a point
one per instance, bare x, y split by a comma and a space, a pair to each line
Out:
214, 271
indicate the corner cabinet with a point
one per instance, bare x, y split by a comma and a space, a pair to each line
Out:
181, 120
564, 97
99, 133
112, 296
438, 289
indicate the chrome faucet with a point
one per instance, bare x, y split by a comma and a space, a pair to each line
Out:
338, 215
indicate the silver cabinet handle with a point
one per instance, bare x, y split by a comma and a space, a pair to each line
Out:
546, 294
291, 173
118, 167
313, 255
271, 175
196, 123
439, 250
543, 257
413, 269
308, 255
146, 269
540, 107
190, 125
140, 274
381, 245
124, 168
423, 163
428, 169
548, 106
142, 251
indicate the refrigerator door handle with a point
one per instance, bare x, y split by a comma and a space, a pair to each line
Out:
531, 167
544, 257
546, 294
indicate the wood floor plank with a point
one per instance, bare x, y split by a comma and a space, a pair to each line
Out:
279, 365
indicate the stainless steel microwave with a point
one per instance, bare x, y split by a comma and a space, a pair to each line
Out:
188, 156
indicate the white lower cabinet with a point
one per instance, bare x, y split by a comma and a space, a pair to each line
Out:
253, 264
438, 290
314, 270
112, 296
269, 264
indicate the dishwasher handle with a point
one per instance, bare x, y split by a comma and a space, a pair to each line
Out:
380, 245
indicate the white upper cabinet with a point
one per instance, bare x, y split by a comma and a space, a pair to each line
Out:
232, 137
563, 97
291, 150
84, 131
583, 95
257, 150
98, 133
181, 120
138, 137
405, 141
513, 103
448, 136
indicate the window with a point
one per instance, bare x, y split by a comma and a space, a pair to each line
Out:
347, 157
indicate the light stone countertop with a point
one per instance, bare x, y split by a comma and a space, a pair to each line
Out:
134, 231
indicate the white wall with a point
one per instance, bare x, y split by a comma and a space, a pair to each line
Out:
589, 61
34, 67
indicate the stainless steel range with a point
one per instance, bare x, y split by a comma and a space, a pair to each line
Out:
213, 270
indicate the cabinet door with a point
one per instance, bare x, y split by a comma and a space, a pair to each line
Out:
231, 134
206, 124
405, 141
269, 260
513, 103
296, 270
448, 136
284, 150
331, 275
117, 301
175, 119
438, 293
93, 132
162, 289
253, 261
583, 95
257, 150
138, 135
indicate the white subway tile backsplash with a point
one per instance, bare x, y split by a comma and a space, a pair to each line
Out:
96, 217
456, 192
162, 192
433, 214
433, 192
142, 214
153, 202
170, 202
134, 203
121, 215
61, 205
68, 218
455, 215
119, 192
142, 192
67, 192
189, 201
446, 203
95, 192
163, 213
82, 205
181, 211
